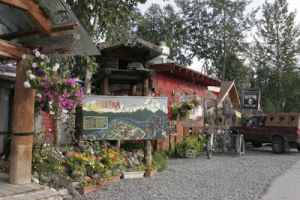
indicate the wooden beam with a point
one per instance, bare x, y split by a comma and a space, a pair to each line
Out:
5, 55
55, 31
11, 50
38, 15
33, 10
16, 3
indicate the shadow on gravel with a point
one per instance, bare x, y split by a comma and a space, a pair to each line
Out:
267, 149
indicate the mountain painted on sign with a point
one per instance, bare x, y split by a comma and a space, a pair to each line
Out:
138, 125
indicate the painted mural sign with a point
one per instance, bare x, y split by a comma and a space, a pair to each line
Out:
124, 118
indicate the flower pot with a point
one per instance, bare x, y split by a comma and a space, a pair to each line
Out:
91, 188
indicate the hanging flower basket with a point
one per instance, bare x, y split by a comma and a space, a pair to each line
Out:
57, 92
182, 110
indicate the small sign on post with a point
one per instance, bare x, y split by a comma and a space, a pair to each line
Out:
251, 99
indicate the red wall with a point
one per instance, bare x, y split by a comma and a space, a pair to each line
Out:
165, 84
49, 125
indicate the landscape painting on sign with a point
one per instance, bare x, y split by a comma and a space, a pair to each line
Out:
124, 118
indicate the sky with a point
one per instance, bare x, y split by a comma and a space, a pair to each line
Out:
293, 4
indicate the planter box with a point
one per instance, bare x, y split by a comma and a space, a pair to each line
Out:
91, 188
132, 175
111, 180
106, 182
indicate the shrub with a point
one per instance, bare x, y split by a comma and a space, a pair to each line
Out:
160, 161
190, 144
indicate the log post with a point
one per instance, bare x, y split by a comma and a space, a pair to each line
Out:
133, 90
22, 130
105, 86
148, 144
146, 87
148, 156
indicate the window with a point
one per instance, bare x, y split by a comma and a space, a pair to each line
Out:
252, 122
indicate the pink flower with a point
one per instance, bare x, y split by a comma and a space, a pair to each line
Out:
71, 82
66, 103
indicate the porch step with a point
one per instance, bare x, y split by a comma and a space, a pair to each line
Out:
45, 194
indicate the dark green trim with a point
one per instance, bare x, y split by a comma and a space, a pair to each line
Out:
23, 134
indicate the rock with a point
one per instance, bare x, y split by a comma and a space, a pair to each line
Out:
35, 180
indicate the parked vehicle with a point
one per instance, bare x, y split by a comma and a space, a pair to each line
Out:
282, 130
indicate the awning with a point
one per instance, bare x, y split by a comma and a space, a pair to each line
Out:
49, 25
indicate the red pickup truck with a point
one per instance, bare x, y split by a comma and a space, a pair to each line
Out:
282, 130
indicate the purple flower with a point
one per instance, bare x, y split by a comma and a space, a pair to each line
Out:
39, 72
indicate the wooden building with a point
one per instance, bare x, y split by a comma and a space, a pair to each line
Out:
122, 68
179, 83
223, 106
51, 27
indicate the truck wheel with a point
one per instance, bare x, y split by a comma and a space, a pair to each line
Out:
278, 144
257, 144
298, 147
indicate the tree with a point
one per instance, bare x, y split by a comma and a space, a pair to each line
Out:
275, 56
216, 31
106, 19
164, 24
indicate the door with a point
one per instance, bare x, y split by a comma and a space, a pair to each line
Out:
4, 116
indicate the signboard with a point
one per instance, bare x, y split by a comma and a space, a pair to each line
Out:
124, 118
251, 99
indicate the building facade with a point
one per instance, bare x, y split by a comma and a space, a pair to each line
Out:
180, 84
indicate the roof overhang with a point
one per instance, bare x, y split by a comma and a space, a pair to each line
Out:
50, 26
135, 49
11, 50
228, 88
185, 73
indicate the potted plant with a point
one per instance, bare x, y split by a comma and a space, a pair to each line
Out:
136, 172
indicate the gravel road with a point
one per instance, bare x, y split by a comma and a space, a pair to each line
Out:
225, 177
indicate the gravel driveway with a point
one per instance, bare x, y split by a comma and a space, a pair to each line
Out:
224, 177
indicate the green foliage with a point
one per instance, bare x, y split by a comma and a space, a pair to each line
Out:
58, 167
160, 161
164, 25
107, 19
182, 110
194, 143
274, 58
48, 166
216, 32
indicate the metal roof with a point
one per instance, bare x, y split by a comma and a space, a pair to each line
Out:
134, 48
77, 41
14, 20
7, 71
185, 74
